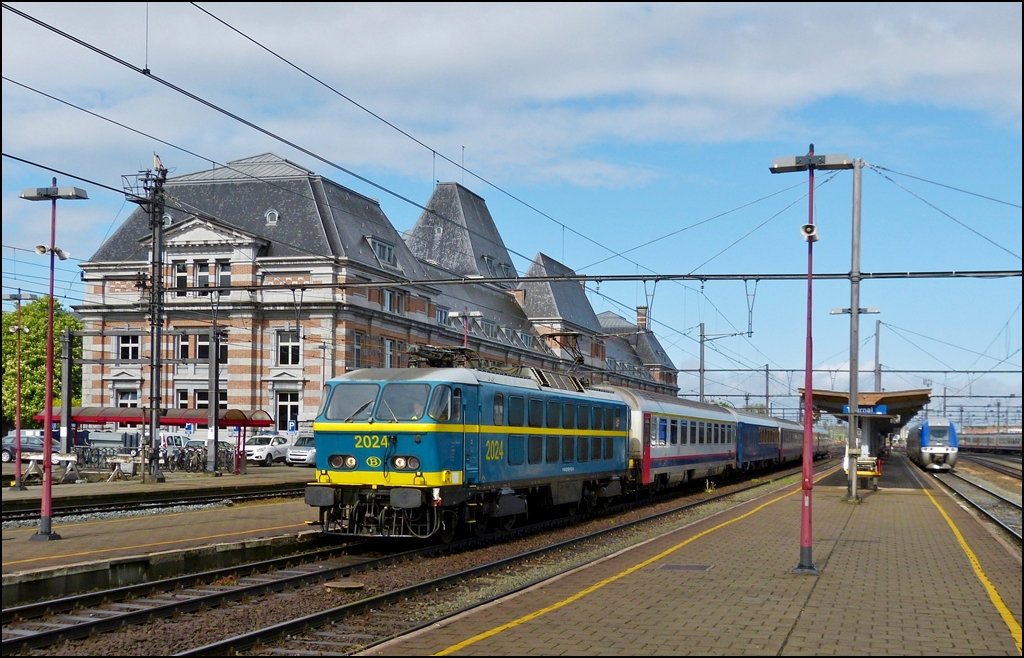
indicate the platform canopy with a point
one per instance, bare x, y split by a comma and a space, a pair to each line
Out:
889, 410
170, 417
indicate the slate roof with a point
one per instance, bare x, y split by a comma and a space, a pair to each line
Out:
458, 233
564, 300
644, 343
316, 216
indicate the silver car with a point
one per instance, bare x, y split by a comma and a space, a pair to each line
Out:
302, 453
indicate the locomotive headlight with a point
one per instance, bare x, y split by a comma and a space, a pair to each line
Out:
414, 464
350, 462
399, 463
335, 461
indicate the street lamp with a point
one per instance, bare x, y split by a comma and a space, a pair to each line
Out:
18, 329
853, 442
51, 193
465, 315
808, 163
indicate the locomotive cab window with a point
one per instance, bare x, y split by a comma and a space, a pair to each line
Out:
441, 404
352, 402
516, 412
457, 405
401, 402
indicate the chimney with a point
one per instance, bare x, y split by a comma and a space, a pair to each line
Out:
519, 294
641, 318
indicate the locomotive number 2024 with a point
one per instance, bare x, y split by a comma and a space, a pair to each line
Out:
495, 451
371, 441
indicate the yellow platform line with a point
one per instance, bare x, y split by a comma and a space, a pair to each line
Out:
607, 581
993, 594
151, 545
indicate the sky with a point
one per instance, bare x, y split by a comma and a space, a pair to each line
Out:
615, 138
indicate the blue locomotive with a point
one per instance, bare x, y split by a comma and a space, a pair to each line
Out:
418, 452
932, 444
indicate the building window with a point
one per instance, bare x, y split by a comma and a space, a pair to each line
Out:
357, 350
128, 347
526, 338
128, 398
489, 328
392, 301
385, 252
271, 216
203, 399
182, 395
287, 348
224, 276
287, 409
389, 353
183, 347
441, 315
202, 275
203, 348
180, 278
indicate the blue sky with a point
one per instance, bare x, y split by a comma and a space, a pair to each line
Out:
625, 123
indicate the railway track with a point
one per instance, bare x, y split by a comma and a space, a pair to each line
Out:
1004, 466
1003, 511
46, 623
24, 510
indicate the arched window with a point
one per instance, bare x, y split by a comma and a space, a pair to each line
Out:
272, 216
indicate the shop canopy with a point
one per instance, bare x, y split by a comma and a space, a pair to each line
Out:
170, 417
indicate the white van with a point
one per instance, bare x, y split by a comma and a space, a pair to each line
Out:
171, 444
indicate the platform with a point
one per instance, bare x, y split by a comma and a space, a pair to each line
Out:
89, 541
905, 572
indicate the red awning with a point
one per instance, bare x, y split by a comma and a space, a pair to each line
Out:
170, 417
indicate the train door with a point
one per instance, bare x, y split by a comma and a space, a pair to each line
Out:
646, 438
467, 416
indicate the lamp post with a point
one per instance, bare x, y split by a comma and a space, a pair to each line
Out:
18, 329
853, 441
808, 163
51, 193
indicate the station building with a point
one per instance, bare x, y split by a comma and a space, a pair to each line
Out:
310, 279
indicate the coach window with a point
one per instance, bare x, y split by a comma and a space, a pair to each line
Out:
441, 404
700, 432
584, 417
662, 431
515, 450
536, 413
499, 414
693, 432
516, 411
554, 413
551, 449
569, 416
673, 432
568, 448
535, 449
584, 449
714, 431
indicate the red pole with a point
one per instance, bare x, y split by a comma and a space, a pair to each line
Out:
17, 408
45, 530
465, 327
806, 563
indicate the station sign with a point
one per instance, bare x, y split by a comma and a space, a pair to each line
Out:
869, 410
189, 429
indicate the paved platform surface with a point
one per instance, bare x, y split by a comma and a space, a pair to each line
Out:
895, 580
103, 539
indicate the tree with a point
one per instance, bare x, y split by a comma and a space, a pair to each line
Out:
34, 315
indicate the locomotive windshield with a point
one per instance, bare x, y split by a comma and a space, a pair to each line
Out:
352, 402
403, 402
938, 436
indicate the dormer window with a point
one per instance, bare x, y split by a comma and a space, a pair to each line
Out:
489, 262
385, 252
506, 270
272, 217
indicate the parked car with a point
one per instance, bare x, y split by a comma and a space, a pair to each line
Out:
267, 449
171, 444
302, 453
28, 444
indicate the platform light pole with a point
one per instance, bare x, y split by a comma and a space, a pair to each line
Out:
18, 329
51, 193
808, 163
